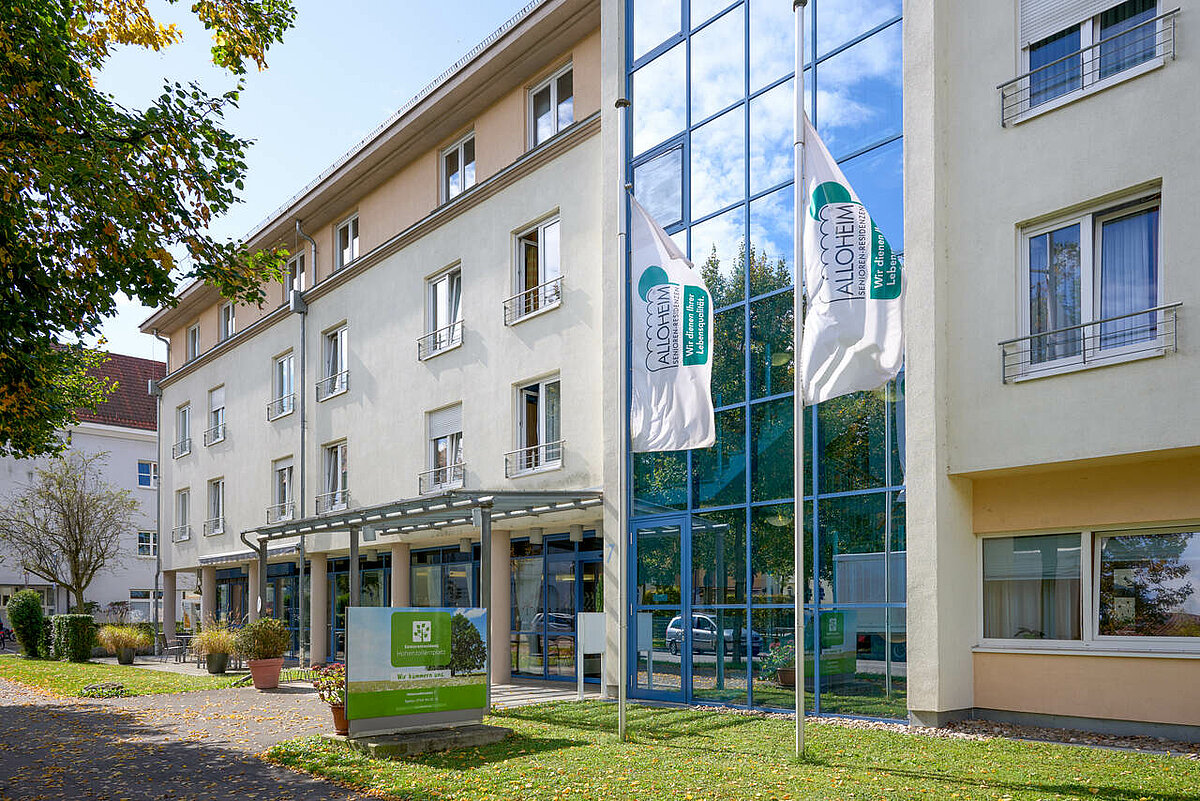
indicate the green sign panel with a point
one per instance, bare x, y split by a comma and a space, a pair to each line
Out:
420, 639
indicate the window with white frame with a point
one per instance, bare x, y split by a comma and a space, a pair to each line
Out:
445, 450
1099, 265
147, 544
336, 477
215, 524
1032, 588
538, 278
336, 371
139, 605
147, 474
551, 105
283, 390
1148, 584
539, 435
182, 530
346, 248
183, 431
193, 342
216, 416
227, 325
282, 500
295, 274
458, 167
444, 313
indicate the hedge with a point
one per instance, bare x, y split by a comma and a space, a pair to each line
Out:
73, 637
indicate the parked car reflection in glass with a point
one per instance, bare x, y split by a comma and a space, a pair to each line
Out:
704, 636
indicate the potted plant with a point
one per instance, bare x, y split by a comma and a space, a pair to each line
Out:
330, 681
263, 643
124, 641
780, 662
215, 643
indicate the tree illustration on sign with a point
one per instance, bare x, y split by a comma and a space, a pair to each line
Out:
467, 651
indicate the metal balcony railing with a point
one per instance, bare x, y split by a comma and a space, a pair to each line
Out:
182, 448
523, 304
181, 533
1085, 68
214, 525
214, 435
278, 512
333, 501
441, 478
332, 385
535, 457
442, 339
1111, 339
281, 406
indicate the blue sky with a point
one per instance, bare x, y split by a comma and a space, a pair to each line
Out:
340, 72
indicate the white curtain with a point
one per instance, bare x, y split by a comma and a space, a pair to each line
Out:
1128, 277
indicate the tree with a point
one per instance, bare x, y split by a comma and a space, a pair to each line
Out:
467, 651
97, 199
67, 525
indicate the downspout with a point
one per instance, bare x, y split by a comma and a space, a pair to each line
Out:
157, 393
300, 307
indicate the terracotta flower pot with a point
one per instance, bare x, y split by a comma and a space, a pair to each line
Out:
216, 663
125, 656
265, 673
786, 676
340, 724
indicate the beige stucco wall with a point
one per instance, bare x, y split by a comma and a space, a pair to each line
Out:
1110, 687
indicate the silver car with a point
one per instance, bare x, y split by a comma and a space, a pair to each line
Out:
704, 636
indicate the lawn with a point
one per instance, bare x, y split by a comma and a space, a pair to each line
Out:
69, 678
569, 751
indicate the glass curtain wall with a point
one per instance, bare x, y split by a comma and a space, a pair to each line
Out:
710, 154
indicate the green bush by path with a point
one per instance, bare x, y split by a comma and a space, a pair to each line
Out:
72, 637
28, 621
69, 678
570, 751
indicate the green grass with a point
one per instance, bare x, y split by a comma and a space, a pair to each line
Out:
569, 751
69, 678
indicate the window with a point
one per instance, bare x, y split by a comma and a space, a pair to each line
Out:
295, 274
139, 605
215, 524
147, 544
336, 495
193, 342
283, 505
1031, 588
551, 106
216, 416
1149, 584
458, 168
445, 314
147, 474
539, 273
445, 450
347, 243
182, 530
1093, 266
228, 325
183, 431
282, 387
336, 377
538, 429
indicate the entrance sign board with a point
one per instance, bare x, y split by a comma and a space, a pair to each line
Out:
409, 667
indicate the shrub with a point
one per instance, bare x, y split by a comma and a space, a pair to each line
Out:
330, 682
114, 638
265, 638
781, 656
215, 638
28, 622
72, 637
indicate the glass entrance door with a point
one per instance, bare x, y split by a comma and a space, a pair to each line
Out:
660, 637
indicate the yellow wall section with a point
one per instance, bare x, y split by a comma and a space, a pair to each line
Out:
1134, 493
1109, 687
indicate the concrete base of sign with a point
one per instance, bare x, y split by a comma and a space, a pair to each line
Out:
411, 743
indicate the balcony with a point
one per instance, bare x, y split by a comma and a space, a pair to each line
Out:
281, 406
182, 448
332, 385
334, 501
532, 459
181, 534
1110, 340
214, 526
1109, 61
279, 512
540, 298
440, 340
214, 435
441, 478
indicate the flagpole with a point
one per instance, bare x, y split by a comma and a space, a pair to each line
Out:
622, 485
798, 401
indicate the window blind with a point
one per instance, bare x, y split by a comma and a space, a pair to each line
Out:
446, 421
216, 398
1042, 18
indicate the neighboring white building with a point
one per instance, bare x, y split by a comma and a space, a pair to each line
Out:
123, 428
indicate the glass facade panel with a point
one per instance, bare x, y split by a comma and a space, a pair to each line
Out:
772, 472
842, 21
772, 366
729, 357
718, 64
773, 42
659, 481
654, 21
721, 646
853, 444
878, 178
658, 184
771, 242
1148, 585
719, 472
658, 106
718, 251
719, 557
860, 94
718, 163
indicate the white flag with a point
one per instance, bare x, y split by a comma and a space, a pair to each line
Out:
671, 326
853, 336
